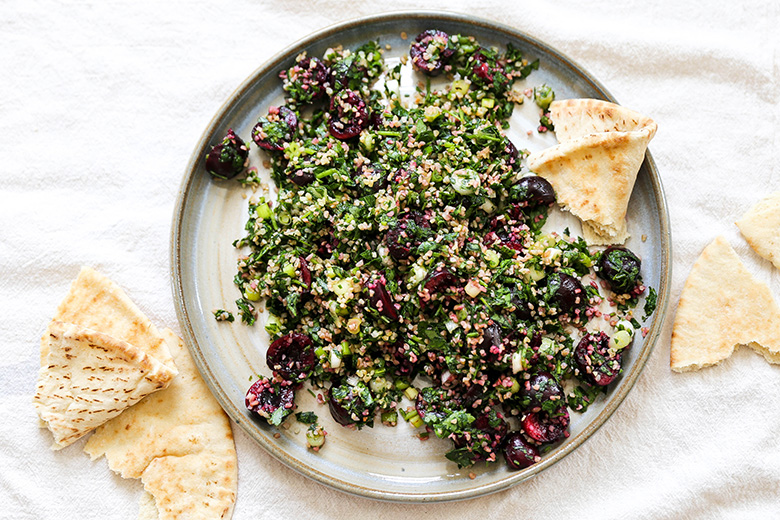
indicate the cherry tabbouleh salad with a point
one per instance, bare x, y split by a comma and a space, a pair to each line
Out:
404, 260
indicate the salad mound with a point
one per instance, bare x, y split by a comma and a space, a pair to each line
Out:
404, 263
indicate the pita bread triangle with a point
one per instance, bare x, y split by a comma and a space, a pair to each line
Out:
95, 302
594, 167
723, 306
593, 178
88, 378
179, 443
761, 228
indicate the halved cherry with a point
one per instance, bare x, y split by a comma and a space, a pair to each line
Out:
541, 388
512, 154
352, 404
518, 452
306, 80
228, 157
292, 357
381, 299
430, 52
569, 293
435, 402
266, 397
487, 71
547, 427
348, 115
441, 280
279, 127
532, 191
301, 177
596, 364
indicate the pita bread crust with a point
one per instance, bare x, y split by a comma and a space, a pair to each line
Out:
95, 302
594, 168
90, 377
723, 306
575, 118
761, 228
179, 442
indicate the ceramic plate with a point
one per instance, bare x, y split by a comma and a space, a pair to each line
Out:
384, 463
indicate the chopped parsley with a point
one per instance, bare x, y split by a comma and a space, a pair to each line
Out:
223, 315
651, 301
306, 417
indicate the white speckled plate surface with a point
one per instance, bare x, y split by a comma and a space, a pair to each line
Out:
383, 463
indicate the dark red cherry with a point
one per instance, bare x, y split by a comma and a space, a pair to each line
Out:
440, 281
403, 358
370, 178
620, 268
485, 437
540, 389
276, 129
547, 427
433, 401
306, 80
532, 191
511, 154
596, 364
568, 293
265, 397
227, 158
381, 299
431, 52
518, 452
348, 115
352, 404
291, 356
487, 71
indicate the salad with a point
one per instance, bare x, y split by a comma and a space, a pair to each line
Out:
405, 265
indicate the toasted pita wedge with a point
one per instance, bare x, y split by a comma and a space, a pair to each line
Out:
179, 443
723, 306
761, 228
593, 177
90, 377
97, 303
594, 168
574, 118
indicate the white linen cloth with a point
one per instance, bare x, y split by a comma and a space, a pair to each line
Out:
101, 103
